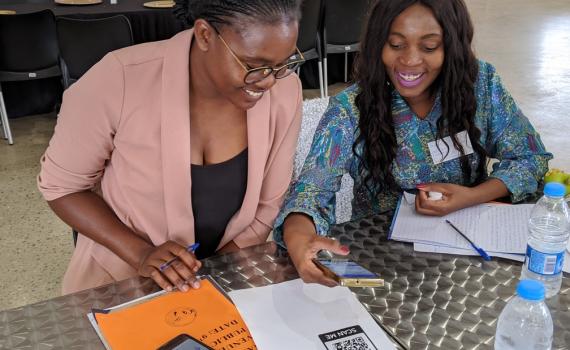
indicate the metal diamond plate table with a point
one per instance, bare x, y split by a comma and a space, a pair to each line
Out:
429, 301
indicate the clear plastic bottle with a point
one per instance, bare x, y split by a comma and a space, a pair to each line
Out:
547, 240
525, 323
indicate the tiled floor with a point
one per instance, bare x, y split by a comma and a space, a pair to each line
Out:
527, 40
36, 245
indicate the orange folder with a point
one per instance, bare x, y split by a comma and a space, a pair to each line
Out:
205, 313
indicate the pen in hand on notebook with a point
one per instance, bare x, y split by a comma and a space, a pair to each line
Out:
191, 248
481, 252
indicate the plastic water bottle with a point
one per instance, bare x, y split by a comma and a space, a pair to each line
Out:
547, 240
525, 322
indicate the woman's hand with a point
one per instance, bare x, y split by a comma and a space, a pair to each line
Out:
303, 244
455, 197
181, 273
303, 248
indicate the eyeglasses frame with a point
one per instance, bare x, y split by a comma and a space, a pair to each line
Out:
249, 70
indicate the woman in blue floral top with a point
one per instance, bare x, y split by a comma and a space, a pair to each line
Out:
425, 114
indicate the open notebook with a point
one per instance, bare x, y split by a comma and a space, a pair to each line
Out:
500, 229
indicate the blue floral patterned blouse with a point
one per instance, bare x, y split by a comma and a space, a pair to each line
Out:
506, 134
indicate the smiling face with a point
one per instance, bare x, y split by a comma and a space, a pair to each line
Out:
413, 54
255, 45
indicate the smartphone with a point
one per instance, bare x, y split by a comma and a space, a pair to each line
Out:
184, 342
349, 273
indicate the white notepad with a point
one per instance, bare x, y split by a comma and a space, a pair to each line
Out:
497, 228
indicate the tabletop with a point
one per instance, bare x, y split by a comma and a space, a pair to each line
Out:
429, 301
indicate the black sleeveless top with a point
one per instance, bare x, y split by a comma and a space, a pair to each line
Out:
217, 194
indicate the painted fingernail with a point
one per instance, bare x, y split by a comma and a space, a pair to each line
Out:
344, 249
420, 185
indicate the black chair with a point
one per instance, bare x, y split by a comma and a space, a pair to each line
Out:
83, 42
309, 40
343, 21
28, 51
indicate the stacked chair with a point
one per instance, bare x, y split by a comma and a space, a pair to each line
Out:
343, 21
309, 41
41, 46
33, 53
83, 42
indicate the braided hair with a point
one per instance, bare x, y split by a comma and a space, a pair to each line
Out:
456, 81
228, 12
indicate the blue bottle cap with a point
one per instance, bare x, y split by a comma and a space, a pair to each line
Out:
554, 189
530, 290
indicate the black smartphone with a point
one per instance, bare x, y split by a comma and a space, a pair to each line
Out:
184, 342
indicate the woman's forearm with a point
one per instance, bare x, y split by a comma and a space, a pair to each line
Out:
303, 244
489, 190
89, 214
297, 224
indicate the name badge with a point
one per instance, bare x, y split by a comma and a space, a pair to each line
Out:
440, 152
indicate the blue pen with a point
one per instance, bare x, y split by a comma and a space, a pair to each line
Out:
191, 248
481, 252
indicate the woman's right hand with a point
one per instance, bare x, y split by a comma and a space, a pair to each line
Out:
181, 273
303, 244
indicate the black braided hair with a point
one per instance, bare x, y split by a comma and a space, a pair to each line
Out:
456, 81
228, 12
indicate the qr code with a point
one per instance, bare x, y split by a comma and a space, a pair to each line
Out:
349, 338
356, 343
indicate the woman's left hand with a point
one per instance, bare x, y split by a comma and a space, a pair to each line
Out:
455, 197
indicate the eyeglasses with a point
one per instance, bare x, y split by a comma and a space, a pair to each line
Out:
254, 75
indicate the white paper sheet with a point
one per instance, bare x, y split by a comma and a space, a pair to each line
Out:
292, 315
497, 228
431, 248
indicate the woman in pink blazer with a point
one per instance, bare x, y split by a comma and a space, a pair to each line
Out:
216, 105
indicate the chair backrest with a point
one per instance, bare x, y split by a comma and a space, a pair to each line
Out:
83, 42
310, 26
344, 20
28, 42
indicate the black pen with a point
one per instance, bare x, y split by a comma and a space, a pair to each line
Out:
481, 252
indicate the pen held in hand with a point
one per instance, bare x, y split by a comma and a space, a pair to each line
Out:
479, 250
191, 248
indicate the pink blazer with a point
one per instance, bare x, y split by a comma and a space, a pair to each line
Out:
126, 125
